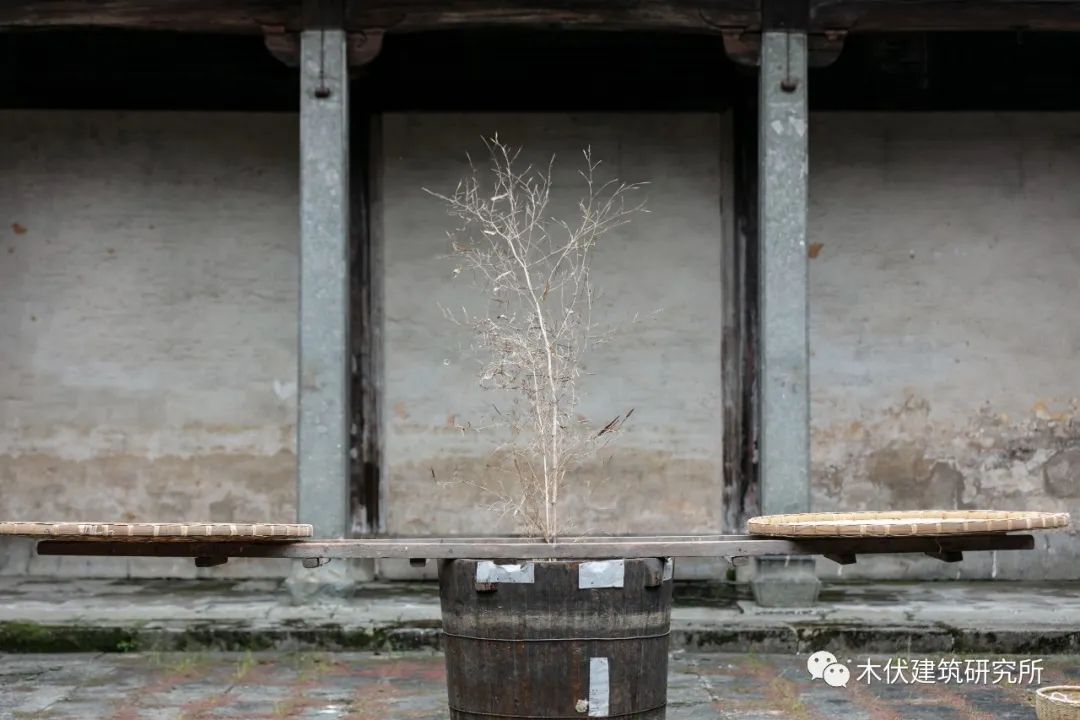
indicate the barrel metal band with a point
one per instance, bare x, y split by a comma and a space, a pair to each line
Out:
633, 713
558, 639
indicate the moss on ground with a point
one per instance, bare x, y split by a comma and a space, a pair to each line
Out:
28, 637
32, 637
298, 635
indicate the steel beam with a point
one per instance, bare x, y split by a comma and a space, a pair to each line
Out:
324, 422
784, 346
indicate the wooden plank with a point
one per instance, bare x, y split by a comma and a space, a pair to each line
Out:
205, 16
671, 15
250, 16
742, 487
704, 16
523, 549
939, 15
367, 486
735, 384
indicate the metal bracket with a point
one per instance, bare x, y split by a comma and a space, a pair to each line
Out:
312, 563
604, 574
842, 558
949, 556
418, 562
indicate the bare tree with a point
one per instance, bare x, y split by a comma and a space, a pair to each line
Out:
534, 270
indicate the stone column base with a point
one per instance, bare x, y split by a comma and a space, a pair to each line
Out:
785, 581
337, 578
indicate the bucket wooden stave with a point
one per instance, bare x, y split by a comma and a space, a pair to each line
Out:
531, 649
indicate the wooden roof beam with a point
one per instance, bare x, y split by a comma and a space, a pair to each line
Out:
697, 16
251, 16
193, 16
944, 15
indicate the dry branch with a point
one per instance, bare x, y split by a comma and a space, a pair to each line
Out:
534, 270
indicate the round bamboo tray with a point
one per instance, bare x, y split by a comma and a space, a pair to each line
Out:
161, 532
904, 523
1058, 702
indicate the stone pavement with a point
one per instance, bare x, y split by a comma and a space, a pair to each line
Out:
45, 615
411, 686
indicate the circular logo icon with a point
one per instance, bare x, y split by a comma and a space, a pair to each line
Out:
837, 675
817, 663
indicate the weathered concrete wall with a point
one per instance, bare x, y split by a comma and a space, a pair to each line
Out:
148, 341
664, 473
944, 278
148, 290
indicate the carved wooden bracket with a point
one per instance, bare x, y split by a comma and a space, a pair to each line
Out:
825, 48
283, 45
364, 46
743, 46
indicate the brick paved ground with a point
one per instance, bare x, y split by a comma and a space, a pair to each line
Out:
365, 686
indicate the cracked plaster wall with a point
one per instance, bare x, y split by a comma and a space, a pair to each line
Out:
945, 364
147, 342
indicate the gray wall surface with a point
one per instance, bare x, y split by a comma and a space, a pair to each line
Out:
148, 285
663, 474
148, 276
946, 347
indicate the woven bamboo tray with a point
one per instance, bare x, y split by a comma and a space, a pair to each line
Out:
1058, 702
904, 523
161, 532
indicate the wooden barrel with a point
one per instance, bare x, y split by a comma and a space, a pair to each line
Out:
556, 639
